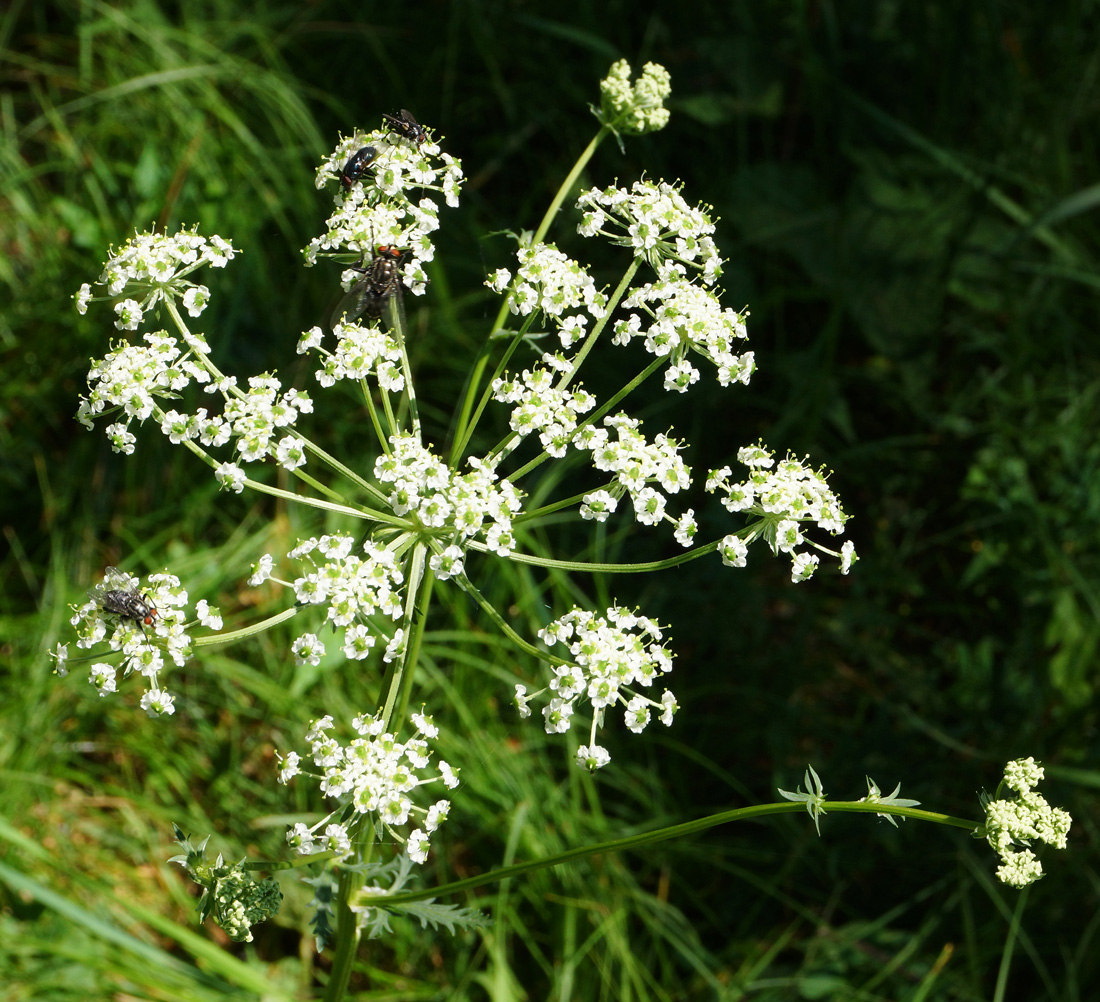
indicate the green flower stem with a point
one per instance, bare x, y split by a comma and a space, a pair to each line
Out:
217, 639
549, 509
487, 607
391, 421
605, 408
368, 514
462, 432
406, 369
460, 445
331, 461
321, 488
380, 434
181, 325
398, 683
567, 377
347, 936
593, 337
662, 835
415, 638
307, 444
571, 179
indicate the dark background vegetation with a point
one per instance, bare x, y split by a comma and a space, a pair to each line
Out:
908, 200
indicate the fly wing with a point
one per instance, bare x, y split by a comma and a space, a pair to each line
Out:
113, 580
352, 303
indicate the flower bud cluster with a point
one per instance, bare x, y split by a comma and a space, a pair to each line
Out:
153, 267
143, 645
377, 210
451, 504
374, 773
1021, 820
654, 219
686, 318
238, 902
610, 653
549, 281
783, 498
541, 407
634, 110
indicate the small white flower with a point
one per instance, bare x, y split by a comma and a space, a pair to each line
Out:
803, 566
230, 477
208, 615
592, 758
290, 453
556, 716
337, 839
195, 300
358, 641
424, 724
102, 676
83, 297
261, 570
418, 846
289, 767
308, 649
437, 814
129, 315
158, 703
447, 564
686, 528
59, 656
301, 838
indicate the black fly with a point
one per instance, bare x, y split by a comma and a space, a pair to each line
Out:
408, 126
114, 595
355, 166
368, 297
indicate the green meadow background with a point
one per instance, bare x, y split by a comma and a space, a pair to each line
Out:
908, 196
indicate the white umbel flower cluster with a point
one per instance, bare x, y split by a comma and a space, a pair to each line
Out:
360, 352
655, 220
1020, 820
685, 318
354, 588
153, 267
134, 378
145, 642
609, 654
783, 498
549, 281
385, 205
542, 407
460, 506
376, 774
637, 465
